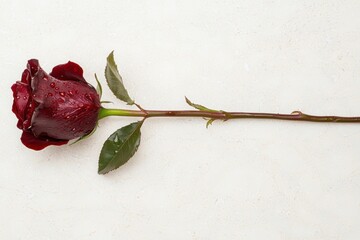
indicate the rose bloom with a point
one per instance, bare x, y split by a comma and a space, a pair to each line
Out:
54, 108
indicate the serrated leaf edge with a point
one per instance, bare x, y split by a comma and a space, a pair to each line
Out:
111, 64
136, 148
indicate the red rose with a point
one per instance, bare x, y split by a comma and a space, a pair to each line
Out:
54, 108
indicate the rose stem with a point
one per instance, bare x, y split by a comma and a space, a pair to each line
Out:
222, 115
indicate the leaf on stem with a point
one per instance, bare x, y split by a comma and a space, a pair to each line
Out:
115, 82
209, 122
198, 106
119, 147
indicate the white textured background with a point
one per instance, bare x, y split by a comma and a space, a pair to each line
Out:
246, 179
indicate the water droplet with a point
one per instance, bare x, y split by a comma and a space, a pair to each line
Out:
116, 151
88, 97
45, 78
34, 96
24, 97
71, 93
73, 129
56, 88
17, 97
49, 94
67, 117
62, 94
52, 85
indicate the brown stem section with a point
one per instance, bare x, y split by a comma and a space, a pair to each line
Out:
222, 115
295, 116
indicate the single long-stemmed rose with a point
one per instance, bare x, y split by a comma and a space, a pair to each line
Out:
57, 107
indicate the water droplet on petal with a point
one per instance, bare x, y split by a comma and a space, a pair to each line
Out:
56, 88
88, 96
62, 94
73, 129
52, 85
17, 97
71, 93
45, 78
49, 94
24, 97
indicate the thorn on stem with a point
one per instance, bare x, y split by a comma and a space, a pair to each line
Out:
296, 113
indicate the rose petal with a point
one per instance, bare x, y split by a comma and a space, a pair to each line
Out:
62, 121
30, 141
68, 71
33, 66
29, 112
42, 85
26, 77
21, 99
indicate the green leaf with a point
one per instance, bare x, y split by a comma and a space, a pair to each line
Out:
98, 87
119, 147
199, 107
114, 80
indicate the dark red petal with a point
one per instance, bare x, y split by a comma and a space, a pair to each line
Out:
26, 77
68, 71
21, 99
29, 112
30, 141
33, 66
